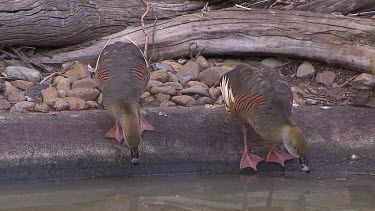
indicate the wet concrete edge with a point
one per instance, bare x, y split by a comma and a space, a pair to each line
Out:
36, 146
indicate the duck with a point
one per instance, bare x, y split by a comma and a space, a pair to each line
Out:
261, 97
122, 73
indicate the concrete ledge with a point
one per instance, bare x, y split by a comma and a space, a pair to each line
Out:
186, 140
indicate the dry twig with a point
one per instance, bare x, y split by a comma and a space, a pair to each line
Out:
143, 27
347, 81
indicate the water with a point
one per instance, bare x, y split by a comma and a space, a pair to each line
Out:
194, 193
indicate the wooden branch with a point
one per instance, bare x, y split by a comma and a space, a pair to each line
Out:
342, 6
345, 41
61, 23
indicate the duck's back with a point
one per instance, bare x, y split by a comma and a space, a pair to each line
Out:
261, 95
122, 73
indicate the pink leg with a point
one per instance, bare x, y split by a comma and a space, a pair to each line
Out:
116, 132
143, 123
248, 159
278, 156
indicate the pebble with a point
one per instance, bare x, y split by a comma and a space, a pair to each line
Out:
42, 108
12, 93
85, 83
364, 81
160, 75
204, 101
371, 102
167, 103
326, 77
149, 102
189, 72
197, 83
361, 97
64, 84
22, 107
84, 93
372, 63
22, 85
195, 90
60, 104
15, 71
176, 85
164, 89
4, 104
145, 94
211, 76
153, 83
214, 92
57, 80
230, 63
76, 104
184, 100
202, 63
271, 62
175, 65
163, 66
35, 92
78, 71
182, 61
172, 77
49, 95
306, 69
161, 97
62, 93
93, 104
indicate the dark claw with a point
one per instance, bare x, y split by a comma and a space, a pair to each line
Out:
303, 163
134, 156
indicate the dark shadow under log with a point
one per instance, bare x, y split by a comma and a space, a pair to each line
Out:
336, 40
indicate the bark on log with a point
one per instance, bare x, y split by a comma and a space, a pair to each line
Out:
59, 22
344, 7
346, 41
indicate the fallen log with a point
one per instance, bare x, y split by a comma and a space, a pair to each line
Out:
61, 23
344, 7
336, 40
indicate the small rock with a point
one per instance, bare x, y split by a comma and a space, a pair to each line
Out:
176, 85
21, 84
172, 77
204, 101
12, 93
93, 104
78, 71
211, 76
64, 84
159, 75
100, 99
162, 97
220, 100
326, 77
230, 63
35, 92
163, 66
305, 69
182, 61
22, 107
164, 89
42, 108
85, 83
271, 62
57, 80
202, 63
199, 90
49, 95
197, 83
15, 71
298, 93
371, 102
362, 97
62, 93
76, 104
60, 104
145, 94
153, 83
189, 72
364, 81
149, 102
167, 103
84, 93
212, 62
176, 66
4, 105
214, 92
372, 63
184, 100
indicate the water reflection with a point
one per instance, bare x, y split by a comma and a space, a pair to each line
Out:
195, 193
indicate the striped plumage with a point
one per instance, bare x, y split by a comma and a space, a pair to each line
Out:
122, 73
260, 96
